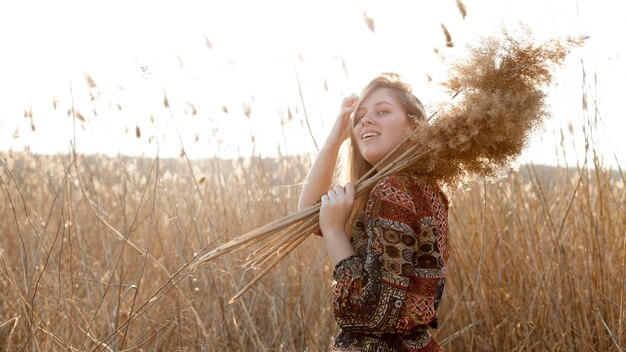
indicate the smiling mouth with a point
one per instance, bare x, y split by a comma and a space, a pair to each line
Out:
369, 135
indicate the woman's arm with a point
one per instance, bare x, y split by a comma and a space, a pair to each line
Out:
319, 179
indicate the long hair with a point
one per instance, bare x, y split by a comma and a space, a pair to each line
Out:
357, 166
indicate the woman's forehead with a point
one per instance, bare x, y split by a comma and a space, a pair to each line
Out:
376, 97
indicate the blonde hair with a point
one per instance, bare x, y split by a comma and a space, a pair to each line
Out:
356, 165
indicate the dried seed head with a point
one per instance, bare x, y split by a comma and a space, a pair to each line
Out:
462, 8
369, 22
446, 33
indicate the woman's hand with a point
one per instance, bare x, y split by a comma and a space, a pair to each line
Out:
341, 128
336, 209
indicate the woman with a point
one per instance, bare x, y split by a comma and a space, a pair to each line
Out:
389, 248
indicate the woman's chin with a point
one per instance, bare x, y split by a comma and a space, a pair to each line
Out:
372, 160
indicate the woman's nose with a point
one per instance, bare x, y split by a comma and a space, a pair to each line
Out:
366, 119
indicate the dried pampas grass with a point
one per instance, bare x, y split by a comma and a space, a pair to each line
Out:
500, 102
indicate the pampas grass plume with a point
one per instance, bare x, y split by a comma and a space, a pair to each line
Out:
501, 102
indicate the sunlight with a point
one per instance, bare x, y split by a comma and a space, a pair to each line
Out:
248, 77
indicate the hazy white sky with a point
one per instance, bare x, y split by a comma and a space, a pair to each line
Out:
229, 70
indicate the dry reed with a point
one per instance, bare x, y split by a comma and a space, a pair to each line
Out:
551, 270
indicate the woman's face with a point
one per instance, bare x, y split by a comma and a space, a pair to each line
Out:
380, 124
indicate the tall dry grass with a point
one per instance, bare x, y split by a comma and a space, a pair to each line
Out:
91, 249
93, 256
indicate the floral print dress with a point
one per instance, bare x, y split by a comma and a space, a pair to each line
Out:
386, 296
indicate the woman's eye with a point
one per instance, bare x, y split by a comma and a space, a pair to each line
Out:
383, 112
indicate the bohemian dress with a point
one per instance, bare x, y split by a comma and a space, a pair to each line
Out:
386, 296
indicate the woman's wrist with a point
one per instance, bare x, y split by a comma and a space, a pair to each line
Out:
337, 245
334, 233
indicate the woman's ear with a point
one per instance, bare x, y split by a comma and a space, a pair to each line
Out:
411, 130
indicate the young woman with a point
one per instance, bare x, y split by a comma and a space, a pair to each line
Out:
388, 248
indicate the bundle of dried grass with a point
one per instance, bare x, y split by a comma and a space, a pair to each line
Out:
501, 102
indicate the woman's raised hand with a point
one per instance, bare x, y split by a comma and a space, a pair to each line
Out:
341, 128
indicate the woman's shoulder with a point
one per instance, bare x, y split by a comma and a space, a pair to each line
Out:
407, 184
403, 180
408, 191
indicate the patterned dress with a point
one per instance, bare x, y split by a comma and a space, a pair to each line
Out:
385, 298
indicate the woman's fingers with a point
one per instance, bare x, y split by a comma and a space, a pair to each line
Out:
341, 193
349, 101
332, 195
336, 208
341, 130
348, 104
338, 189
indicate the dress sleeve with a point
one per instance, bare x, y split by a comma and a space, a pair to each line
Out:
392, 287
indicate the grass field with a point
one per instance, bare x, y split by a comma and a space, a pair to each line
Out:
94, 250
93, 253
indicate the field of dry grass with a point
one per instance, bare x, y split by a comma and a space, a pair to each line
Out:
93, 253
94, 250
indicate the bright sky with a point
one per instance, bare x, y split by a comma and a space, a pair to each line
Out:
229, 70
